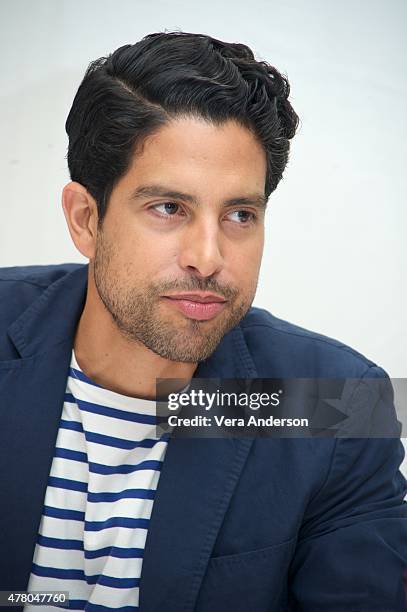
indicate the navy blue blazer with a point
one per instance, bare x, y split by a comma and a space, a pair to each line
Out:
313, 524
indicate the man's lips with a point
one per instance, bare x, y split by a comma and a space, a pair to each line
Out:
199, 306
201, 296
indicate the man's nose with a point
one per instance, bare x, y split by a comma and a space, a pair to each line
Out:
200, 250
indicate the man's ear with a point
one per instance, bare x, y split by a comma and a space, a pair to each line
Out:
80, 212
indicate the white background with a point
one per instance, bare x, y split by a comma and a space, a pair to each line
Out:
336, 249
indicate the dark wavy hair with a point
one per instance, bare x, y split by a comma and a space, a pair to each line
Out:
137, 89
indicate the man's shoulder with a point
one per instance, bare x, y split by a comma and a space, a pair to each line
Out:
38, 275
280, 346
21, 285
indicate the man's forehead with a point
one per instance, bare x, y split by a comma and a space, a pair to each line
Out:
178, 165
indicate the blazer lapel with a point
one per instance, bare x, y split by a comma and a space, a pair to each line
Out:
195, 487
32, 390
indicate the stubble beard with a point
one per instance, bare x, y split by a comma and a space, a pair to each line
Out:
136, 312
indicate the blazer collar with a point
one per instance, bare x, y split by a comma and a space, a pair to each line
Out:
53, 317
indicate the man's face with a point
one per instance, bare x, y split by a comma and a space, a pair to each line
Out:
178, 255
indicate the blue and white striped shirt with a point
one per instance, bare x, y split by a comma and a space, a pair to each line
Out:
99, 497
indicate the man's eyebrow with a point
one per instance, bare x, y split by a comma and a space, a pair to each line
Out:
152, 191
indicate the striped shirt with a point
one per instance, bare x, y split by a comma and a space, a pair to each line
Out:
99, 497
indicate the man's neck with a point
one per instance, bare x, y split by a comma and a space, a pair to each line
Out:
119, 364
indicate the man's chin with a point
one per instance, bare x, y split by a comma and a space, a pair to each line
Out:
191, 352
190, 343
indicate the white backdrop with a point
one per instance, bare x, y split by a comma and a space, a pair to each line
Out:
336, 253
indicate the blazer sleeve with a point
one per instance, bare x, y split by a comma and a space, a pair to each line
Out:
351, 553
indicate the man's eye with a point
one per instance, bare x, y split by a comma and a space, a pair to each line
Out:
244, 217
167, 208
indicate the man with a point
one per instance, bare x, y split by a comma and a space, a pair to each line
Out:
175, 144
